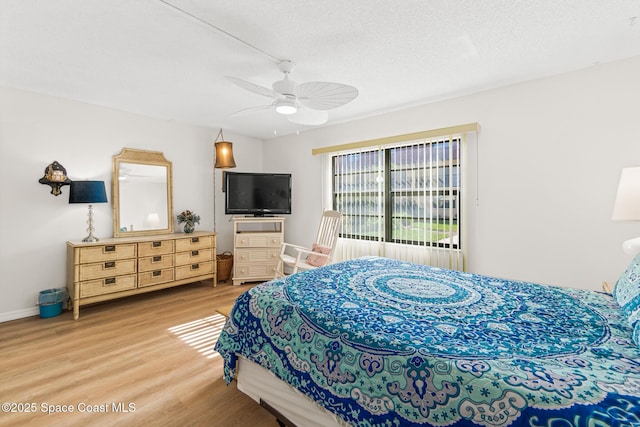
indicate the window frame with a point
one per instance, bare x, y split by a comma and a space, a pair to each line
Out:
452, 161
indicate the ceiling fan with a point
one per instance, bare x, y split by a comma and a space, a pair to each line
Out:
304, 103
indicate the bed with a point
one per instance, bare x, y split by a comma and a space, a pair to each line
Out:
381, 342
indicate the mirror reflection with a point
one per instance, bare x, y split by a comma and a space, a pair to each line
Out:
141, 193
143, 197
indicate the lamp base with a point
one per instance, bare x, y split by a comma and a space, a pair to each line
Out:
631, 246
90, 238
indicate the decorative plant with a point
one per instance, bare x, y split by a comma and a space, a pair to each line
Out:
189, 219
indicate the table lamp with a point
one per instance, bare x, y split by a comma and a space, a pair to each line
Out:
88, 192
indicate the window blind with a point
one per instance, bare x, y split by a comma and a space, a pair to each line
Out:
401, 199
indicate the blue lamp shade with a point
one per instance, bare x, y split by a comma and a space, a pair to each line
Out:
87, 192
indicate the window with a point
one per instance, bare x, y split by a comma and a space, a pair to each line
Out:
407, 194
403, 196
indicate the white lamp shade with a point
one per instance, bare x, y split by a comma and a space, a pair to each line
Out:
153, 219
627, 204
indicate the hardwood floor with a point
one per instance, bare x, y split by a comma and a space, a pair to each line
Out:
141, 360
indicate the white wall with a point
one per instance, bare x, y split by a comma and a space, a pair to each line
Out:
549, 157
35, 225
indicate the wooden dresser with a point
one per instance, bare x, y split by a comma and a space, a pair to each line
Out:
256, 248
123, 266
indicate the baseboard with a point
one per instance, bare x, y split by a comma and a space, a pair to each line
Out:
19, 314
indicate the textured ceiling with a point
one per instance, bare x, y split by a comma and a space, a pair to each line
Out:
147, 57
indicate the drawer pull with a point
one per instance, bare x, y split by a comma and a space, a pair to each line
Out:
195, 266
195, 253
195, 239
157, 258
157, 273
110, 264
109, 281
156, 244
110, 248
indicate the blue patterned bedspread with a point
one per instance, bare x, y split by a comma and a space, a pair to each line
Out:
381, 342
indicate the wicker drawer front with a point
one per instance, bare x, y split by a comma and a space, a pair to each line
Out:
158, 247
106, 269
155, 262
106, 253
250, 240
149, 278
254, 270
194, 270
107, 285
192, 243
194, 256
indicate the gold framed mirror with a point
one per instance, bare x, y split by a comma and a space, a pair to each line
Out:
142, 196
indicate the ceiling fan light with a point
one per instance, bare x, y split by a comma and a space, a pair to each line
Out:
286, 106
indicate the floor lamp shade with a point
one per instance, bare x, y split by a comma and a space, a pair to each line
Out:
87, 192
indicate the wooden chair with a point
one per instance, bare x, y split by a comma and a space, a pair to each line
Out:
299, 258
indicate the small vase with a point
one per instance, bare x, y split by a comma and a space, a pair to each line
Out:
189, 227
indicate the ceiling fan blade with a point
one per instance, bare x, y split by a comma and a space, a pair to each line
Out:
325, 95
252, 109
252, 87
307, 116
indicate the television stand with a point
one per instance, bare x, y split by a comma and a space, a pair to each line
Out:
256, 247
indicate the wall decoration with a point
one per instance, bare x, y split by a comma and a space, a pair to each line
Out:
55, 175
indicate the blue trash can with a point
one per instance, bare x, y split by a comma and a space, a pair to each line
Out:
51, 300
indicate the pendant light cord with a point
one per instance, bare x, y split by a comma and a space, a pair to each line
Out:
215, 155
220, 134
220, 30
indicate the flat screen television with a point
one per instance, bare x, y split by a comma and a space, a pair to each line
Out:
257, 194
